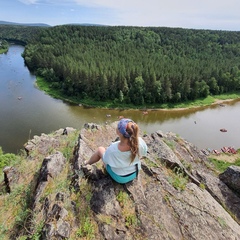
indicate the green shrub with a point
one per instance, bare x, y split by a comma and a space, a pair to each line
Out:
178, 180
221, 166
6, 159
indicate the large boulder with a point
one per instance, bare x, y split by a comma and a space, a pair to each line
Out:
231, 177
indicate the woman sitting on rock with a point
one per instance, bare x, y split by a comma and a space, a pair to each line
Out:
122, 158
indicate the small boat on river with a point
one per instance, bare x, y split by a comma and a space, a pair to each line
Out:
225, 149
205, 152
232, 150
223, 130
216, 151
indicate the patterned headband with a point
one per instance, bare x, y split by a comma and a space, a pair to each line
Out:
122, 127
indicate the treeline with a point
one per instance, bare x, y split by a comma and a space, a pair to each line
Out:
18, 33
138, 65
3, 46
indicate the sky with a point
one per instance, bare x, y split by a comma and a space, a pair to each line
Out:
196, 14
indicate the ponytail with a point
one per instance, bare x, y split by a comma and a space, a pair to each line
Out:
132, 130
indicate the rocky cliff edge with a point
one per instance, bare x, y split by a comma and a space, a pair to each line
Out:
177, 195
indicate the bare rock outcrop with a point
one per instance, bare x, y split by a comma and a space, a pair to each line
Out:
231, 177
173, 196
52, 212
45, 142
177, 195
51, 168
55, 215
11, 177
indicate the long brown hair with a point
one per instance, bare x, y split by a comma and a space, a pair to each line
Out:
133, 130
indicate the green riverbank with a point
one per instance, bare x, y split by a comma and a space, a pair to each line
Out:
3, 50
217, 99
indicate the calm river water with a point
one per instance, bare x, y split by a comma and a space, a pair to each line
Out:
26, 111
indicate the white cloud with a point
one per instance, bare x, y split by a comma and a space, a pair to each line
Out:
167, 12
53, 2
217, 14
152, 6
164, 4
28, 2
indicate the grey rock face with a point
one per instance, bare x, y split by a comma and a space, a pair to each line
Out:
164, 208
231, 177
176, 196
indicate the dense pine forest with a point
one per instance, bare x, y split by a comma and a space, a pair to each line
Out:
18, 34
133, 65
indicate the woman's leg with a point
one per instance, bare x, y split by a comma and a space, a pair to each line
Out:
96, 156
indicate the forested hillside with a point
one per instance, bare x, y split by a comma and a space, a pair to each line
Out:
138, 65
18, 33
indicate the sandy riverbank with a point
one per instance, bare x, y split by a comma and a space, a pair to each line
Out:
216, 102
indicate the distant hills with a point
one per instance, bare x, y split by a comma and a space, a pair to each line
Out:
86, 24
46, 25
25, 24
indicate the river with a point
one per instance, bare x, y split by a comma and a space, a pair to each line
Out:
26, 111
